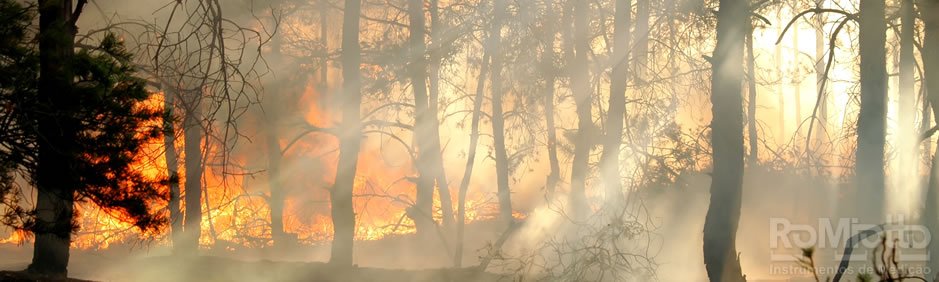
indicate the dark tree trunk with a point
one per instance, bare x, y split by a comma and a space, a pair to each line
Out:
908, 165
930, 15
754, 136
56, 181
583, 98
931, 209
192, 134
172, 168
274, 179
470, 160
350, 138
821, 133
273, 101
549, 71
616, 115
422, 212
443, 188
498, 121
720, 225
871, 127
926, 125
554, 177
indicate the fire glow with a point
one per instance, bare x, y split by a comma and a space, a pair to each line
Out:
236, 214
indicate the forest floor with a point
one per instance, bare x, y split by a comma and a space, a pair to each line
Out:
107, 267
211, 268
678, 214
22, 276
394, 258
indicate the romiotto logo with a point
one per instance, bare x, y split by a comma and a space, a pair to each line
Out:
786, 239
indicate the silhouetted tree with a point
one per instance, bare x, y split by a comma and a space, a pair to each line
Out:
350, 136
76, 128
550, 72
796, 75
929, 10
470, 158
780, 90
422, 213
498, 119
907, 139
720, 225
19, 64
275, 99
821, 133
56, 181
437, 50
871, 124
907, 61
577, 48
278, 192
206, 63
172, 166
193, 149
752, 134
616, 115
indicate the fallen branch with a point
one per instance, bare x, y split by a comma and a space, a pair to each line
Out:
928, 133
484, 263
849, 247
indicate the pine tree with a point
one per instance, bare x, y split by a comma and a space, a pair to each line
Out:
74, 126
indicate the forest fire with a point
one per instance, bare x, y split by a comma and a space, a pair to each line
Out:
468, 140
236, 213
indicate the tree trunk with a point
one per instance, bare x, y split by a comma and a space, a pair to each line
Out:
274, 100
796, 84
56, 181
871, 129
930, 15
720, 225
754, 136
172, 168
275, 183
192, 134
443, 188
340, 197
930, 216
780, 89
908, 166
797, 101
580, 79
926, 125
498, 121
549, 71
422, 212
470, 160
821, 131
609, 160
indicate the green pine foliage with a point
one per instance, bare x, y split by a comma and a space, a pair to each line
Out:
115, 125
19, 71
